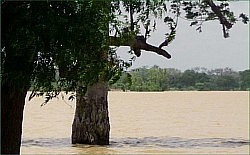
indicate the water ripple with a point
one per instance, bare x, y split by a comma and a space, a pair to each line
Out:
177, 142
47, 142
162, 142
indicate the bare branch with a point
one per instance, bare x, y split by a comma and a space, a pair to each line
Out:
217, 11
165, 43
138, 44
131, 13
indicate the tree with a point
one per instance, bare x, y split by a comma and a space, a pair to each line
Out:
17, 61
147, 79
226, 82
188, 78
174, 78
43, 39
244, 80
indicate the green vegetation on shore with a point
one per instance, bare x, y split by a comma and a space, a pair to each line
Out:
165, 79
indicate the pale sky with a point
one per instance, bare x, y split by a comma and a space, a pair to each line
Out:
206, 49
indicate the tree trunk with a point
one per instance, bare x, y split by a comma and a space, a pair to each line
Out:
13, 100
91, 121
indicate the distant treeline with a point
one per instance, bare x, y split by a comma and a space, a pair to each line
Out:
165, 79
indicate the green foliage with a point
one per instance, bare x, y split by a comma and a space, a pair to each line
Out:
226, 82
244, 17
158, 79
245, 80
54, 45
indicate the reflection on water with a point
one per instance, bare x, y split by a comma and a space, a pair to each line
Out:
167, 122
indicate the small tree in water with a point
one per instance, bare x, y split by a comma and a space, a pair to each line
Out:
66, 46
91, 121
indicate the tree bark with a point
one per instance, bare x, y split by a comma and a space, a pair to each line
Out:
91, 120
13, 100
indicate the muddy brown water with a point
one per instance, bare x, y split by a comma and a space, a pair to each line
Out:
146, 122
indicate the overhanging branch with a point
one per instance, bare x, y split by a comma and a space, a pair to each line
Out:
137, 44
224, 22
217, 11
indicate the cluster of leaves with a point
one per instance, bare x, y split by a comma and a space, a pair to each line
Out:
136, 13
199, 12
67, 43
158, 79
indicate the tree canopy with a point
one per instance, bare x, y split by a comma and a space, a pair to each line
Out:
70, 41
64, 44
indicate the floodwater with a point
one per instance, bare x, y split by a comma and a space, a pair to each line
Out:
148, 122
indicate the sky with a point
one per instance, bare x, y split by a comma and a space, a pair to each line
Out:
207, 49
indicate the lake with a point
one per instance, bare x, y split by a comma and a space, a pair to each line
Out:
147, 122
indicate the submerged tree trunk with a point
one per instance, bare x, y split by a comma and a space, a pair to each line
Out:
13, 100
91, 121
